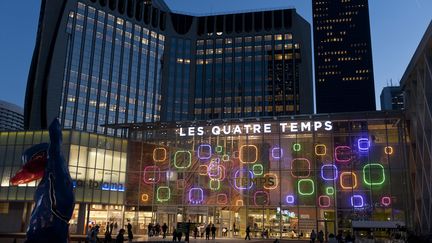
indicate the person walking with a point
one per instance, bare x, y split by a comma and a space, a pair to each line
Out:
195, 232
207, 232
213, 231
313, 236
174, 235
247, 233
320, 236
108, 237
164, 230
120, 236
93, 236
129, 229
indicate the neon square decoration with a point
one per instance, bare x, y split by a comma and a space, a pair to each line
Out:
151, 174
363, 144
348, 176
357, 201
343, 154
144, 197
388, 150
242, 182
329, 190
300, 168
204, 151
386, 201
222, 199
261, 198
182, 159
373, 174
289, 199
219, 149
214, 184
320, 149
216, 171
240, 202
248, 154
163, 194
329, 172
202, 170
258, 169
297, 147
196, 195
324, 201
277, 153
159, 154
225, 158
308, 184
275, 181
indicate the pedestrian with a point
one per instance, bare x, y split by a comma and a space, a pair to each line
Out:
313, 236
129, 229
187, 234
207, 232
321, 236
174, 235
213, 231
93, 236
108, 237
339, 237
120, 236
332, 238
247, 233
111, 227
164, 230
195, 232
158, 229
150, 230
179, 235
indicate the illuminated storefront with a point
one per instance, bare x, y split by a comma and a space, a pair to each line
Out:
284, 175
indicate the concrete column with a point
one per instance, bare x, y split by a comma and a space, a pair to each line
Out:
81, 222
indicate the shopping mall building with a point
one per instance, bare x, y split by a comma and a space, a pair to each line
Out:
281, 174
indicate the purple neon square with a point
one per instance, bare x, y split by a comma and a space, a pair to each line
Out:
202, 153
196, 195
277, 153
250, 182
329, 169
357, 201
363, 144
289, 199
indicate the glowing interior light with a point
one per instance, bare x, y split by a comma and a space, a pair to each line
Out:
298, 168
306, 182
239, 181
363, 144
297, 147
369, 169
222, 198
289, 199
179, 162
386, 201
329, 190
275, 180
258, 169
180, 184
204, 151
225, 158
265, 201
324, 201
329, 172
320, 149
144, 197
245, 154
357, 201
163, 194
388, 150
219, 149
196, 195
277, 153
202, 170
239, 202
343, 154
214, 184
159, 154
352, 178
151, 174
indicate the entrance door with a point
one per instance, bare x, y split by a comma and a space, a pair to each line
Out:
327, 226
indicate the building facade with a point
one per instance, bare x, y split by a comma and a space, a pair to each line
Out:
343, 56
392, 98
11, 117
416, 84
113, 62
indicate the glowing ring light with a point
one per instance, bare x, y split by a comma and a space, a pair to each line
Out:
277, 153
225, 158
144, 197
163, 190
203, 170
236, 177
367, 179
151, 174
333, 169
258, 169
324, 201
386, 201
214, 187
289, 199
189, 154
200, 153
353, 179
156, 154
248, 160
297, 147
196, 199
357, 201
363, 144
320, 149
276, 183
302, 181
267, 200
330, 190
222, 199
388, 150
293, 171
239, 202
343, 154
219, 149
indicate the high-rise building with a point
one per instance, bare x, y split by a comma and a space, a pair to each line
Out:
114, 62
392, 98
344, 80
11, 117
416, 84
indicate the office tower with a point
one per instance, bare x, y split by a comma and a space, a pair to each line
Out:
392, 98
117, 62
11, 117
344, 80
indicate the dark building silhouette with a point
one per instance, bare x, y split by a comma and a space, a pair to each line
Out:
125, 61
11, 117
392, 98
344, 78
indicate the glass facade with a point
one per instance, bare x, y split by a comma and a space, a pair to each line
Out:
298, 173
113, 71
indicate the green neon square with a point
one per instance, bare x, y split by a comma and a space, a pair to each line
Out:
177, 158
214, 185
163, 194
308, 181
219, 149
367, 174
296, 147
329, 190
257, 169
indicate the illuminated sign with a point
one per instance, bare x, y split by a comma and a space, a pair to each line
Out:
284, 127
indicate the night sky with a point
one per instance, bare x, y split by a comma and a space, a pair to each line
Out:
397, 27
